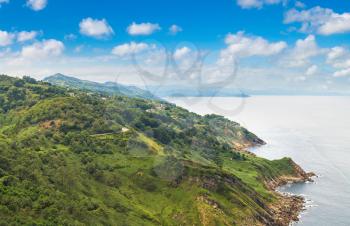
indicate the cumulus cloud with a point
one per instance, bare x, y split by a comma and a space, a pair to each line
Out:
37, 5
6, 38
335, 53
39, 57
240, 45
187, 61
342, 73
248, 4
24, 36
129, 48
303, 51
312, 70
181, 52
142, 28
320, 20
336, 25
95, 28
174, 29
43, 49
339, 58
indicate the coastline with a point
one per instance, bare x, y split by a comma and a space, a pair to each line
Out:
289, 206
288, 130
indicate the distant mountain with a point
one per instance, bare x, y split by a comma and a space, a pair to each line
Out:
188, 91
107, 87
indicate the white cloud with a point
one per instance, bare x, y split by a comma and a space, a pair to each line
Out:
95, 28
43, 49
6, 38
299, 4
342, 73
24, 36
336, 25
181, 52
142, 28
312, 70
304, 50
37, 5
339, 58
174, 29
240, 45
129, 48
98, 68
335, 53
39, 57
248, 4
187, 62
320, 20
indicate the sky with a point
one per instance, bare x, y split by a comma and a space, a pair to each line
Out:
257, 45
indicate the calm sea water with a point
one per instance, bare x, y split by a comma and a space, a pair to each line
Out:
314, 131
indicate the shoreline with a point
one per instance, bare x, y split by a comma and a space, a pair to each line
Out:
287, 209
289, 206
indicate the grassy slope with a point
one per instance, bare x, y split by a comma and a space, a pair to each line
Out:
64, 160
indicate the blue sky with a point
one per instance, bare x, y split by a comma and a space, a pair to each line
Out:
257, 44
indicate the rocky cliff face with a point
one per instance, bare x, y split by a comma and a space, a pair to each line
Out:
300, 176
288, 207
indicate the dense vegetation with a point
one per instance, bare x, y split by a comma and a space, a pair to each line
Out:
68, 157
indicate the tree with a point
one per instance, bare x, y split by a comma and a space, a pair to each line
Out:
16, 94
19, 83
29, 80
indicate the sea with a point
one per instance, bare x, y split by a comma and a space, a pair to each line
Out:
313, 130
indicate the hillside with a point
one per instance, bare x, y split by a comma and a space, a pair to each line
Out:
70, 157
107, 87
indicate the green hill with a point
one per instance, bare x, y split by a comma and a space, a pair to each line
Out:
107, 87
70, 157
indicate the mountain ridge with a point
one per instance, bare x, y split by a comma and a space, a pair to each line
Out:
106, 87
